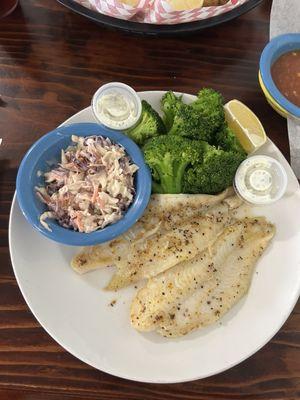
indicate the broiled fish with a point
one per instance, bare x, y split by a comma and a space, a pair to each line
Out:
162, 214
199, 291
164, 249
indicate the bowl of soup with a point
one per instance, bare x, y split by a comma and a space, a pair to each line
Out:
279, 74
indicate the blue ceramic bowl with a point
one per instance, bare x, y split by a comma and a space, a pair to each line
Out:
46, 152
274, 49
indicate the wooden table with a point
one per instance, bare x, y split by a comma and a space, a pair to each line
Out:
51, 62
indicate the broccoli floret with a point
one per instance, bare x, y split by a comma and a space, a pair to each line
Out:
168, 157
210, 105
199, 154
228, 141
150, 125
169, 105
188, 122
198, 120
214, 173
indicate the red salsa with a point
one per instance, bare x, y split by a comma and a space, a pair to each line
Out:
286, 75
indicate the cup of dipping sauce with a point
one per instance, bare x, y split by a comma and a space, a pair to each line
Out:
116, 106
260, 180
279, 74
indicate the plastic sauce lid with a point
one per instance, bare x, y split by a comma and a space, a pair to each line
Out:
260, 180
116, 106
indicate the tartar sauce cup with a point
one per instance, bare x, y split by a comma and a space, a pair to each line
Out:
117, 106
260, 180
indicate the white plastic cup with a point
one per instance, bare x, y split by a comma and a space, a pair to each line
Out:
260, 180
124, 89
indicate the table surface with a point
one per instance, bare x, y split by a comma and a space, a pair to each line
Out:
51, 62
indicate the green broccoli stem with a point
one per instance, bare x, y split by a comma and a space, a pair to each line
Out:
156, 187
170, 178
171, 184
174, 130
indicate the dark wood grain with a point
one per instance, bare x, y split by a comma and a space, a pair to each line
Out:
51, 61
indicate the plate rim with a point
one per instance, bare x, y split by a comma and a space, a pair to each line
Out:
156, 29
122, 375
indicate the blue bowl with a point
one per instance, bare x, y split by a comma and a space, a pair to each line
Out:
274, 49
46, 153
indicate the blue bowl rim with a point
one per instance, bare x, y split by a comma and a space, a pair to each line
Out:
266, 61
71, 237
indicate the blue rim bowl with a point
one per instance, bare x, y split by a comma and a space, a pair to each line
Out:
274, 49
46, 152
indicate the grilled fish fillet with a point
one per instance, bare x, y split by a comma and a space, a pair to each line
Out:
163, 250
198, 292
163, 213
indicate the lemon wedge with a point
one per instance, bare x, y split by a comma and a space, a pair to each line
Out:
181, 5
245, 124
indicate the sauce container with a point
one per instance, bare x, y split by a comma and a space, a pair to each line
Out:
116, 106
275, 48
260, 180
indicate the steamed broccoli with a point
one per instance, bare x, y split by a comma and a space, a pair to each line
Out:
198, 120
228, 141
214, 173
210, 105
149, 125
189, 123
170, 103
199, 154
168, 157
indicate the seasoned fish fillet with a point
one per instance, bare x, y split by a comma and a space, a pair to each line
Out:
157, 299
199, 291
164, 250
169, 209
164, 211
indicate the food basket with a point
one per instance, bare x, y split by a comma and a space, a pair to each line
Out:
156, 17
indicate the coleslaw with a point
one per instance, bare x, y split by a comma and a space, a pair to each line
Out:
91, 187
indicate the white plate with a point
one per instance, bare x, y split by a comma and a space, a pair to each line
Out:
76, 312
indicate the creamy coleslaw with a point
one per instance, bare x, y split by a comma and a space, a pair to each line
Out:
91, 187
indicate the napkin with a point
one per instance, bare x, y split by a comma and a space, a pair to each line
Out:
285, 19
155, 11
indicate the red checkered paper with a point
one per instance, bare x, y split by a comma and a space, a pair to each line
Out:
156, 11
